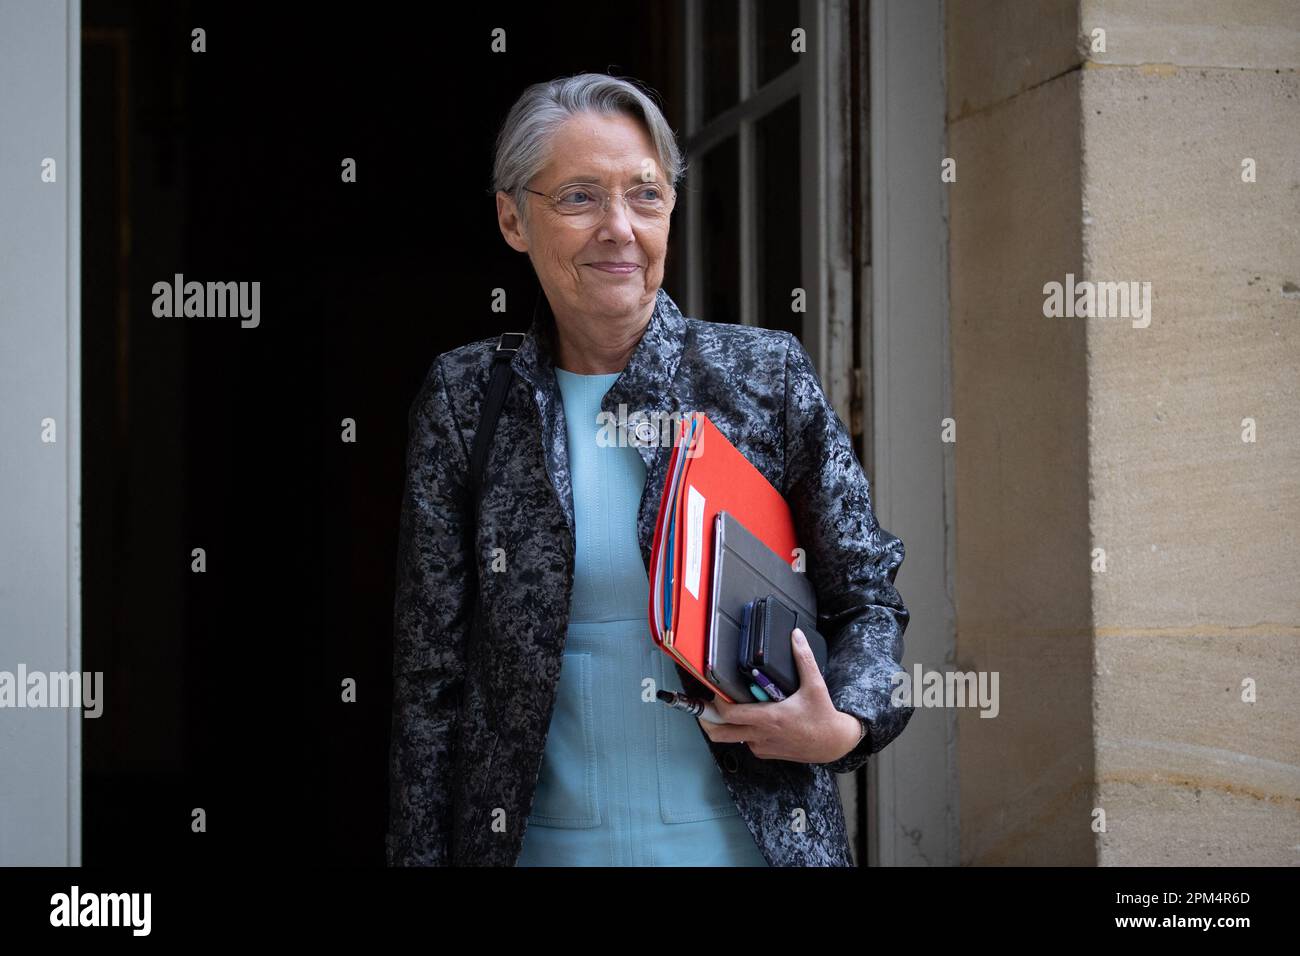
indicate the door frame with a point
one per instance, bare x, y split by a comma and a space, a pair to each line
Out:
912, 784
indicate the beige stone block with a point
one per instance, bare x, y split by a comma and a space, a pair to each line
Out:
1019, 381
996, 50
1184, 825
1021, 499
1198, 526
1254, 34
1025, 776
1187, 772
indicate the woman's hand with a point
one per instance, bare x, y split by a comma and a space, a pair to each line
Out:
805, 727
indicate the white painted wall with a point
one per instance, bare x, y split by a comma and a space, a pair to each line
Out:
40, 315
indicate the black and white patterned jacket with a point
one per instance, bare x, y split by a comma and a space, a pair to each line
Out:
467, 747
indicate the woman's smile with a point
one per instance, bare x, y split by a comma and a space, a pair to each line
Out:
615, 268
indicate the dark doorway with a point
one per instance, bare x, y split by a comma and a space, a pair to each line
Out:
224, 166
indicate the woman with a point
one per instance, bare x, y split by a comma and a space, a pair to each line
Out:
525, 728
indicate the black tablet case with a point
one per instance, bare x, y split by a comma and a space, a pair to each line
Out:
744, 568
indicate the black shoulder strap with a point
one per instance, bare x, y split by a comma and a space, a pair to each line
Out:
498, 385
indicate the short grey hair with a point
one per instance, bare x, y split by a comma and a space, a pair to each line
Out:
523, 144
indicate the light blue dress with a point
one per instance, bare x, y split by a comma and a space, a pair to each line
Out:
625, 780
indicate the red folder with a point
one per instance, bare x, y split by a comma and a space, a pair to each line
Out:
714, 476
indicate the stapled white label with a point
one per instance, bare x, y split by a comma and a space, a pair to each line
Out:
694, 539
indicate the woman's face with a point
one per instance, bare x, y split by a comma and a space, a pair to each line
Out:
614, 151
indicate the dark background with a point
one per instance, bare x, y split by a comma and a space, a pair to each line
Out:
223, 689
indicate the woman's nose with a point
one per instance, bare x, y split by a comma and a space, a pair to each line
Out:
616, 220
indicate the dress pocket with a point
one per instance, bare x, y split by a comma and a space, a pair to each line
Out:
567, 785
691, 787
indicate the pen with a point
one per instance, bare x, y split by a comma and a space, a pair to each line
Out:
764, 682
691, 705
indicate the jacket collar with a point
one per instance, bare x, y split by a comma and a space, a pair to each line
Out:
643, 387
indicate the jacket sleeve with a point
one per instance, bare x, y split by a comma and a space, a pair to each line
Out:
433, 604
851, 560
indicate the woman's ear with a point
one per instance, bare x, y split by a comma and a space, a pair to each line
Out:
511, 223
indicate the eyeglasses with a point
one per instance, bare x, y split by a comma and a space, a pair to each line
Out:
585, 204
